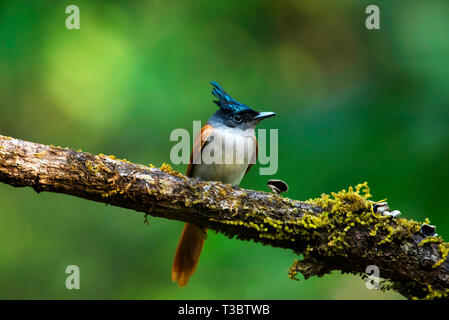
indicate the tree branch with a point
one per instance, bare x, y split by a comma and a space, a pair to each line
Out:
338, 232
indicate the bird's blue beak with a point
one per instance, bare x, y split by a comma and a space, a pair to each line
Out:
263, 115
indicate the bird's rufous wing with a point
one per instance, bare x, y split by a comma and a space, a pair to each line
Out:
198, 145
192, 238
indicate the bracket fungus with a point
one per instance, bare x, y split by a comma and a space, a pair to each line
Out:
277, 186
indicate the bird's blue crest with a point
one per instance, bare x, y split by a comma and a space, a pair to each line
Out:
225, 101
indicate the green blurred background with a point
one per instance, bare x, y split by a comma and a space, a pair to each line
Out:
353, 105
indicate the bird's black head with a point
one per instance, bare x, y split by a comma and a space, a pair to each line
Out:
233, 113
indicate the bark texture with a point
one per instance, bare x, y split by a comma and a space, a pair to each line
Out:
337, 232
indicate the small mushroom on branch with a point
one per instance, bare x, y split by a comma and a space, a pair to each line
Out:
428, 230
277, 186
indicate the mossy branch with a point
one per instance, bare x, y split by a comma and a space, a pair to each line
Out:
337, 232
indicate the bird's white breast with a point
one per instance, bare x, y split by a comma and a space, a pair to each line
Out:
238, 150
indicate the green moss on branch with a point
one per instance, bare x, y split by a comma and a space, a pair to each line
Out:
333, 232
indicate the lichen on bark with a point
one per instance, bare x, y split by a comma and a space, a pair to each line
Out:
340, 231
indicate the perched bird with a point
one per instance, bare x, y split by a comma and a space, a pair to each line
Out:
229, 138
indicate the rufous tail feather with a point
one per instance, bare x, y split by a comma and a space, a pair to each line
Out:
188, 253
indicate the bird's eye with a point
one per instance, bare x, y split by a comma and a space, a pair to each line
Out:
237, 118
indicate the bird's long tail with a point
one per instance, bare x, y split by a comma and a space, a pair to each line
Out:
188, 253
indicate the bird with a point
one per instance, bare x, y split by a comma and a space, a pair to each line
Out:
229, 136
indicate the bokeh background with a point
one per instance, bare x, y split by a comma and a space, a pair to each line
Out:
353, 105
